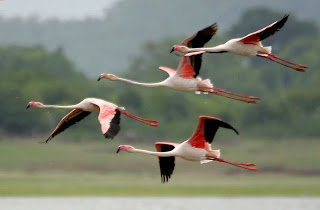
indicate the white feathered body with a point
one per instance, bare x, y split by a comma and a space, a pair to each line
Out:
237, 47
188, 152
186, 84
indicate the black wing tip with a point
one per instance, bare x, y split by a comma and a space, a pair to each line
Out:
285, 18
214, 26
212, 126
107, 135
235, 130
114, 126
165, 178
212, 29
46, 141
227, 125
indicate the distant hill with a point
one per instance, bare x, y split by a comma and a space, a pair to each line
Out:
108, 44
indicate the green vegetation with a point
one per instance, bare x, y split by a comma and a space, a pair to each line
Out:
109, 43
81, 162
114, 184
63, 168
288, 105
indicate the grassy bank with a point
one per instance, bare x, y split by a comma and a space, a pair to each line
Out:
134, 184
287, 167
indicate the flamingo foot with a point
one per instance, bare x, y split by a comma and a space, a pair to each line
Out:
277, 59
140, 119
281, 59
241, 165
227, 96
302, 66
247, 164
235, 94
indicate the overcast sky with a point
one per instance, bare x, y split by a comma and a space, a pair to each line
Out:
62, 9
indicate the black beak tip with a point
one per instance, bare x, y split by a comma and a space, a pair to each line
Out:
28, 106
118, 150
99, 78
171, 50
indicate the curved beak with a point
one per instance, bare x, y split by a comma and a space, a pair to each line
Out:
171, 50
118, 150
28, 106
100, 77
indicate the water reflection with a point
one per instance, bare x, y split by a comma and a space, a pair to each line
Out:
159, 203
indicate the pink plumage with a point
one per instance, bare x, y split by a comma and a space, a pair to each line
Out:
196, 148
109, 116
249, 45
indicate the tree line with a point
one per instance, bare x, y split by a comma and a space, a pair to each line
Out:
289, 105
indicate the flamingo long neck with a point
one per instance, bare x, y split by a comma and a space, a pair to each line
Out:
159, 154
61, 107
216, 49
156, 84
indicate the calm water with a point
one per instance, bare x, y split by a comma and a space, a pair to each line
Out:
157, 203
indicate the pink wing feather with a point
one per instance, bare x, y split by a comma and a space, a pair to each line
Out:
206, 130
185, 68
255, 37
169, 70
107, 113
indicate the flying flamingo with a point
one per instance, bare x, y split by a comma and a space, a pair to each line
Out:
185, 78
249, 45
196, 148
109, 115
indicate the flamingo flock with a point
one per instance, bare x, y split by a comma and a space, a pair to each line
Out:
249, 45
184, 78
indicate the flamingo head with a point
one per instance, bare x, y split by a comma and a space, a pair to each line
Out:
179, 50
108, 76
126, 148
35, 104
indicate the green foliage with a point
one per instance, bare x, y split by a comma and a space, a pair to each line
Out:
93, 168
108, 43
33, 74
288, 107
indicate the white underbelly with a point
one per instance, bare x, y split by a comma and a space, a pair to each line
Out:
187, 152
181, 84
239, 48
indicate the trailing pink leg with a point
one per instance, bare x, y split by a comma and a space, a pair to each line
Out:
241, 165
238, 99
235, 94
140, 119
272, 59
281, 59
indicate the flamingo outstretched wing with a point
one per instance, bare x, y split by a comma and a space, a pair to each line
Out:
186, 69
200, 38
166, 163
206, 130
264, 33
169, 70
191, 64
109, 118
70, 119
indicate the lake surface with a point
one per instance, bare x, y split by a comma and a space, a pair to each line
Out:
159, 203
